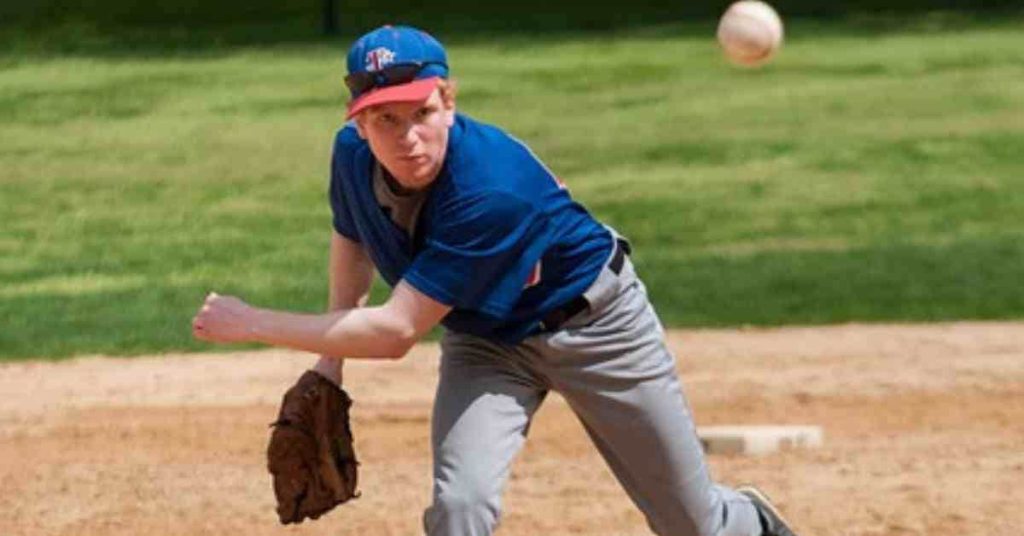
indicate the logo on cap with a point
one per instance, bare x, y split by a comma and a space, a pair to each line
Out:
379, 58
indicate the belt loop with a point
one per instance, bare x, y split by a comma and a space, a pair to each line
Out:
554, 319
619, 256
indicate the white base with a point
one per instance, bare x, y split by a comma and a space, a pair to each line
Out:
758, 439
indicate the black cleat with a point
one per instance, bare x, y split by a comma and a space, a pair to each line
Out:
772, 522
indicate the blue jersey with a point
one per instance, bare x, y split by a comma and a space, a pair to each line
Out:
498, 239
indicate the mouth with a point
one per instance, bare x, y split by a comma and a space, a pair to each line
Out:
416, 158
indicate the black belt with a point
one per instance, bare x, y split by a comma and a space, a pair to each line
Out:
554, 319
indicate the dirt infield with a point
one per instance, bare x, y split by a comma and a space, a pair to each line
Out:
924, 434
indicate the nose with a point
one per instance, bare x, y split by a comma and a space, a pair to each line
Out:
410, 137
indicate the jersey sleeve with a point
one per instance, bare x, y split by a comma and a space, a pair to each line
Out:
480, 253
341, 211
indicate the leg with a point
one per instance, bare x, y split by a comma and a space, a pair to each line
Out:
620, 379
481, 415
661, 466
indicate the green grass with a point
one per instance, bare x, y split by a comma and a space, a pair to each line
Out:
862, 176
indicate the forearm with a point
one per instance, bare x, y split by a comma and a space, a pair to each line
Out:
387, 331
368, 332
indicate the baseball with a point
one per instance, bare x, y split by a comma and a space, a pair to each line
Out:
750, 32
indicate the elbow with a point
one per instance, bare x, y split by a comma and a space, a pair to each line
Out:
399, 342
397, 350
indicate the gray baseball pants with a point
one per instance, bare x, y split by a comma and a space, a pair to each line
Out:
611, 365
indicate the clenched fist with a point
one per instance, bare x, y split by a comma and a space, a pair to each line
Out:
224, 319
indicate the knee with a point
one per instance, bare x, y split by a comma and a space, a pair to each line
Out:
462, 510
468, 502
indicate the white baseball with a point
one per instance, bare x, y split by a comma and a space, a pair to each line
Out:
750, 32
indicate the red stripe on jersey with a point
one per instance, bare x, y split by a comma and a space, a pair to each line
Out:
534, 277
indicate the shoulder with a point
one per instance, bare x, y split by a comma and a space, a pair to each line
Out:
476, 141
348, 134
349, 153
485, 157
347, 139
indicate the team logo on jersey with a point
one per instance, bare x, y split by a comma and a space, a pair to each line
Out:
379, 58
534, 276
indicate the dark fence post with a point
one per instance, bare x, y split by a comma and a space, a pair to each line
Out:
330, 19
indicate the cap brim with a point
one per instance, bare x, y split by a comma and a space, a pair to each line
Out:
415, 91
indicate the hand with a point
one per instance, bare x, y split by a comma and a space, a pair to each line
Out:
224, 319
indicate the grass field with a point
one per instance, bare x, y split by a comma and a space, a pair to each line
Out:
865, 175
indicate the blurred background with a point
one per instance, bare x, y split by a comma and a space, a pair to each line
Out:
526, 16
153, 151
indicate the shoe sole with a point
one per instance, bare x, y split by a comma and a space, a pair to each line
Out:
762, 499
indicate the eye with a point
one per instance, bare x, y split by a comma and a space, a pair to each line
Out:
424, 112
387, 118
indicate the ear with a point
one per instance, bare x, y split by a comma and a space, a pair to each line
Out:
358, 122
449, 114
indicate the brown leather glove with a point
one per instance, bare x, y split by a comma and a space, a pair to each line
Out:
310, 454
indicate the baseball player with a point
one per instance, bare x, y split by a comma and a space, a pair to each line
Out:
473, 232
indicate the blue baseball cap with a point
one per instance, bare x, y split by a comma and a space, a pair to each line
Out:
393, 64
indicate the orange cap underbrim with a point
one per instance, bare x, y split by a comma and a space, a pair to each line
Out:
415, 91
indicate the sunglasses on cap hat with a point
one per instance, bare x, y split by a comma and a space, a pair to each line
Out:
392, 75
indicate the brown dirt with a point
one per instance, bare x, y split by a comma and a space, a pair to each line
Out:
923, 427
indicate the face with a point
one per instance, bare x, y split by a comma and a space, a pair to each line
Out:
408, 138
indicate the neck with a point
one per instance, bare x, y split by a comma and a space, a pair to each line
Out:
396, 187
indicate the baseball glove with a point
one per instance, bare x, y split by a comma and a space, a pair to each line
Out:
310, 455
